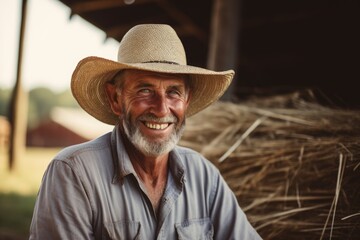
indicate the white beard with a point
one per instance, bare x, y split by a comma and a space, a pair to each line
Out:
148, 147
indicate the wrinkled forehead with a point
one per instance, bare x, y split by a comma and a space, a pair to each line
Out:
126, 75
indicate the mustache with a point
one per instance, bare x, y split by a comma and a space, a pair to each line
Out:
149, 117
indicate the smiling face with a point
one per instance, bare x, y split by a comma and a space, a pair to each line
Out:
151, 108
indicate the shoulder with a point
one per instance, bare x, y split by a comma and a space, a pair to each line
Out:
195, 162
88, 164
83, 149
189, 154
86, 157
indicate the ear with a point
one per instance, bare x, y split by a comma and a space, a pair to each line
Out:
113, 98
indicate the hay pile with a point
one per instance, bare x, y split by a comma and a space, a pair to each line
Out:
294, 165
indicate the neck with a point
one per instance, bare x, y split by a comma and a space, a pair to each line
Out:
152, 172
149, 168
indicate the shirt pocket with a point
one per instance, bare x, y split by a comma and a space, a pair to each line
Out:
195, 229
125, 229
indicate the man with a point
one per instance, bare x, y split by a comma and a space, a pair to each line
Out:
135, 183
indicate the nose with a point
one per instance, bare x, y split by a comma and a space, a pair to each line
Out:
160, 106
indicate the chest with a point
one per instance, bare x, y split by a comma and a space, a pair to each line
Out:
124, 211
154, 192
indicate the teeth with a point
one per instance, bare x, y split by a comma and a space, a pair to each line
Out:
157, 126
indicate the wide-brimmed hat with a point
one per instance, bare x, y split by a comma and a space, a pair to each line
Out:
148, 47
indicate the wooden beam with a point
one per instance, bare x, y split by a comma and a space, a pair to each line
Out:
118, 31
223, 47
19, 104
96, 5
188, 26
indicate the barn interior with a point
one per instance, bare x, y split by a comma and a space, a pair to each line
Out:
274, 46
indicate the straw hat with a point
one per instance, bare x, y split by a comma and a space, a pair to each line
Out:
148, 47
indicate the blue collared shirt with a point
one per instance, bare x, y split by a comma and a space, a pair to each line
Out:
91, 191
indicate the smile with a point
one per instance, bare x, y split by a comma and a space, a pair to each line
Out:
156, 126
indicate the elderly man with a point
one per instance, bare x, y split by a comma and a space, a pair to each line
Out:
136, 183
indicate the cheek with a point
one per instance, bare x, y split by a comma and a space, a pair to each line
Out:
134, 107
179, 108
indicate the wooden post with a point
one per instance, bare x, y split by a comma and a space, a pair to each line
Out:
19, 104
224, 39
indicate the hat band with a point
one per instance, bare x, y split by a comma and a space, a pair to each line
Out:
168, 62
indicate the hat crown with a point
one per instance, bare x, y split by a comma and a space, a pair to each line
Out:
151, 43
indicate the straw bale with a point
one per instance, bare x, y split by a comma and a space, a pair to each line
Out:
293, 164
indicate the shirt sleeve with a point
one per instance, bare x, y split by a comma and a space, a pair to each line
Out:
229, 220
62, 209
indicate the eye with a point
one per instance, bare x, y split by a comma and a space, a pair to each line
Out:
175, 93
144, 91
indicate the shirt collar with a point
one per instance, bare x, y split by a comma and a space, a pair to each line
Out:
122, 163
177, 167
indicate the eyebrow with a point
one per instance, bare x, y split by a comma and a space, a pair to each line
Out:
143, 84
177, 86
146, 84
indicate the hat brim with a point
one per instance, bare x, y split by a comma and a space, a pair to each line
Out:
91, 74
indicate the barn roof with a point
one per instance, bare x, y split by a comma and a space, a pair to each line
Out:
281, 43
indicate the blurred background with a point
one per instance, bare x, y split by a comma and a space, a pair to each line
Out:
275, 47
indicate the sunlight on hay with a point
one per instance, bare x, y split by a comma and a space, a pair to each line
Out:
294, 165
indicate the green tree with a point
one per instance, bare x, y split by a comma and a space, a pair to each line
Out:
41, 101
4, 101
66, 99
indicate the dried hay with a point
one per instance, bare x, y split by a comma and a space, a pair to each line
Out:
293, 164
